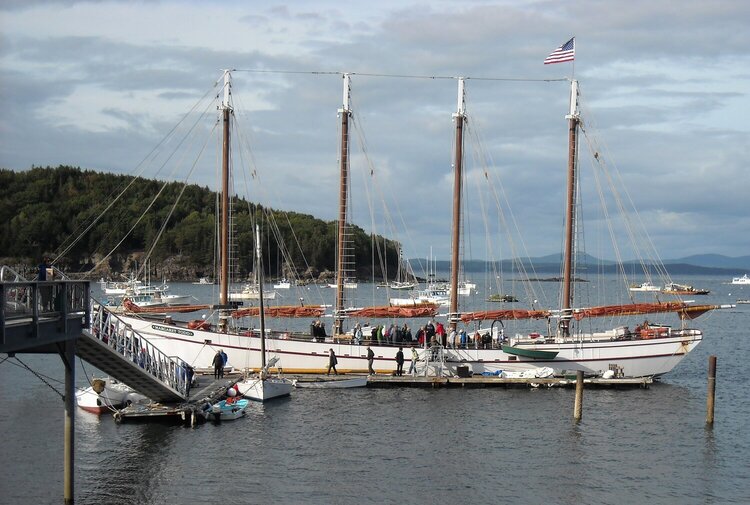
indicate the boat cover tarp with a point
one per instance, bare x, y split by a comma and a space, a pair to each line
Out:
505, 315
132, 307
280, 311
421, 310
684, 310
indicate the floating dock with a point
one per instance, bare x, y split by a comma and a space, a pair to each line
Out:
207, 392
481, 381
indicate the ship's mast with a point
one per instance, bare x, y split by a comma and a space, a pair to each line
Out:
261, 313
344, 113
567, 295
226, 111
459, 117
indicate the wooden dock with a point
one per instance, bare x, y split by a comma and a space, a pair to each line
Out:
480, 381
207, 392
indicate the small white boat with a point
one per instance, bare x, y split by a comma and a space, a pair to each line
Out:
645, 287
264, 389
204, 281
348, 284
251, 292
741, 280
106, 395
228, 410
283, 284
354, 382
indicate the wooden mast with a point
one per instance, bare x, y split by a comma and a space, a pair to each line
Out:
460, 117
567, 294
261, 314
224, 238
344, 113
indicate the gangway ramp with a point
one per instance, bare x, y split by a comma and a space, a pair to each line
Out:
116, 349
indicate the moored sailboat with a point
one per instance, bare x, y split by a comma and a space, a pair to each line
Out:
262, 386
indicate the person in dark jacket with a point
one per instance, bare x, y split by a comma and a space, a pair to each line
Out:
218, 365
370, 359
400, 362
332, 362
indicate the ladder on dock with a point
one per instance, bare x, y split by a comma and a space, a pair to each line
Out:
115, 348
434, 361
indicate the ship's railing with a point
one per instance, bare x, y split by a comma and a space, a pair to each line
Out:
43, 300
433, 358
123, 339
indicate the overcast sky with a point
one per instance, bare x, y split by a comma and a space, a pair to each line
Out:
664, 90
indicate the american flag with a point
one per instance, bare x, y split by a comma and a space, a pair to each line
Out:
566, 52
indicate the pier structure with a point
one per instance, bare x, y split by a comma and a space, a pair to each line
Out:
55, 317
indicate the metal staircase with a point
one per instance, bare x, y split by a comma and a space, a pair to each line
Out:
116, 349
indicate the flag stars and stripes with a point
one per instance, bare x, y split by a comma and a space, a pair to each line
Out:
565, 52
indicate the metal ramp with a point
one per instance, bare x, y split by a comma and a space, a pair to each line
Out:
116, 349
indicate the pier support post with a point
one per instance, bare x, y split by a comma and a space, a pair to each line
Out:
711, 390
68, 358
578, 407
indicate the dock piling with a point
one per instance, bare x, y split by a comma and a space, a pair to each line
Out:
578, 407
711, 390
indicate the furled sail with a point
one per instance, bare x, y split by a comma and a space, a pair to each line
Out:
280, 311
684, 310
419, 310
130, 306
490, 315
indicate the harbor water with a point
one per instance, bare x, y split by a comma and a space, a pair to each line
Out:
405, 445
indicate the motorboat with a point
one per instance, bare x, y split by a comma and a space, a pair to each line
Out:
644, 287
741, 280
228, 410
283, 284
673, 288
107, 394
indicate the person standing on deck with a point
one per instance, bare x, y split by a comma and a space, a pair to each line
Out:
224, 359
370, 359
218, 363
332, 362
400, 362
414, 359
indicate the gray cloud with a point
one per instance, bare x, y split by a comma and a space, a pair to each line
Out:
651, 74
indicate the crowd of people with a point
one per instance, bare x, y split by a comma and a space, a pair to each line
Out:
428, 335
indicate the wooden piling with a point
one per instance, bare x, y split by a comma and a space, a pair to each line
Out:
578, 407
69, 356
711, 390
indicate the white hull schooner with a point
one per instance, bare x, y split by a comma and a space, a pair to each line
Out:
647, 351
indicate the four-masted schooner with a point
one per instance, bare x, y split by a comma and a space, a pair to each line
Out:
646, 352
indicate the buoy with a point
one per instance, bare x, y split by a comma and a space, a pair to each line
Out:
231, 392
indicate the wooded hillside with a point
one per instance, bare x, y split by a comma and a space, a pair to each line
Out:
43, 211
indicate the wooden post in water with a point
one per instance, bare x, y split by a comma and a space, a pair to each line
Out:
68, 356
711, 390
578, 407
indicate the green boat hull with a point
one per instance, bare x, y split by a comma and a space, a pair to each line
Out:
529, 353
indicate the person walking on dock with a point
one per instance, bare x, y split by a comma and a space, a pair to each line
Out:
370, 359
400, 362
414, 359
332, 361
218, 365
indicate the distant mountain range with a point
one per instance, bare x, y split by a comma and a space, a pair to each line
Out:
700, 264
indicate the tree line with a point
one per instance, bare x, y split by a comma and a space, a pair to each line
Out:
73, 216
